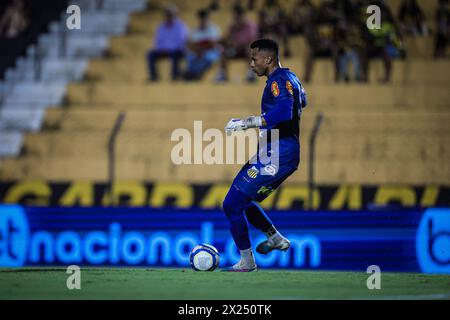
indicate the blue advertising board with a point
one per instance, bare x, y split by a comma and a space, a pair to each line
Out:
403, 240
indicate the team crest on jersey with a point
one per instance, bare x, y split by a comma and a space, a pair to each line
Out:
289, 87
275, 89
252, 172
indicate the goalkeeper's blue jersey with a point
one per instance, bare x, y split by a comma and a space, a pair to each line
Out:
283, 100
282, 104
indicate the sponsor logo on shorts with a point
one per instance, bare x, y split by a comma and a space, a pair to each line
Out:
270, 169
265, 190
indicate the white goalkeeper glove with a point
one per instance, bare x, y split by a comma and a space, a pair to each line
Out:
243, 124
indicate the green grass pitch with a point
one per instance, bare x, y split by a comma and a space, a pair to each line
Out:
168, 284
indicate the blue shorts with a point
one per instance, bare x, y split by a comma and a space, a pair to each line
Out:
258, 181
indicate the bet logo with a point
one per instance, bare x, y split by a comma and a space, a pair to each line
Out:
14, 234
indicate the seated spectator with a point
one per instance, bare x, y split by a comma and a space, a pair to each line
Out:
203, 47
273, 24
301, 15
236, 43
170, 42
412, 19
382, 43
13, 21
321, 38
442, 29
350, 43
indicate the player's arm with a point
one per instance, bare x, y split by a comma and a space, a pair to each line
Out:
283, 93
244, 124
282, 112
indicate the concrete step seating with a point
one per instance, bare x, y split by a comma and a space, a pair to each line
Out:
127, 70
39, 79
10, 142
99, 119
206, 96
371, 133
26, 119
333, 144
374, 160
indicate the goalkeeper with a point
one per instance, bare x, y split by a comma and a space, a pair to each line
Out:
282, 103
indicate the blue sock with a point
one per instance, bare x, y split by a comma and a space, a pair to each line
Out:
234, 205
258, 218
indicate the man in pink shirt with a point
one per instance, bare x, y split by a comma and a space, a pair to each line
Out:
241, 33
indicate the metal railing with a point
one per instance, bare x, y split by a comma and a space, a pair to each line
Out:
112, 155
312, 150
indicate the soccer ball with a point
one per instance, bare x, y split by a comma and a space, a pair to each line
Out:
204, 257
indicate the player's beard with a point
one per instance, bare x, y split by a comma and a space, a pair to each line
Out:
259, 74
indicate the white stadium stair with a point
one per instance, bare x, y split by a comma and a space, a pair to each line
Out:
39, 79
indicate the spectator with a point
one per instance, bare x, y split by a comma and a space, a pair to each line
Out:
236, 43
443, 27
321, 38
303, 13
203, 47
170, 41
359, 14
14, 20
37, 15
273, 24
350, 43
345, 9
412, 19
378, 45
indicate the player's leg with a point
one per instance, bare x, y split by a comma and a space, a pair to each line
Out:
191, 65
175, 58
152, 58
387, 61
234, 205
259, 219
226, 54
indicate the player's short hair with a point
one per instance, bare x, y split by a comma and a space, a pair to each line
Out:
266, 45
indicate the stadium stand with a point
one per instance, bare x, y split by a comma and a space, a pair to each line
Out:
373, 133
38, 79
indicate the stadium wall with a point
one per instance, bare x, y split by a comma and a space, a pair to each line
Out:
210, 195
